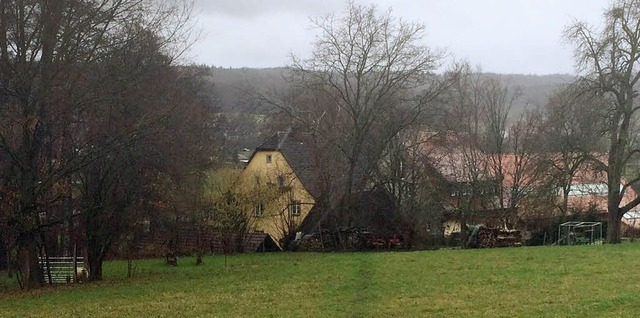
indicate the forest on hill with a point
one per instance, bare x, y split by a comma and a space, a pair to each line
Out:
232, 85
246, 120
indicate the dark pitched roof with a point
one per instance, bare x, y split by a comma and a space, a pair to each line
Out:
299, 150
374, 209
259, 242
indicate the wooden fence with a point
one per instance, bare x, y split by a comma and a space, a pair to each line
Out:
60, 270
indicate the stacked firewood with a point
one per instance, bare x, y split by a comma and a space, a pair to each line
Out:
488, 237
321, 241
350, 239
311, 244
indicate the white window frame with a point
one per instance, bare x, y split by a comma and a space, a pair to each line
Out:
295, 208
258, 210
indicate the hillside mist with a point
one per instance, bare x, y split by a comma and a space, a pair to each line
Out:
231, 85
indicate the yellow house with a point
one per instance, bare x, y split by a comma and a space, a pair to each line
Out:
285, 164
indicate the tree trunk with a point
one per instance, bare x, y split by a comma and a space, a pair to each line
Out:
95, 267
464, 233
31, 271
4, 263
565, 199
199, 247
613, 228
97, 249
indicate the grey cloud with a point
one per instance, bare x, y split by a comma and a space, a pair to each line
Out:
508, 36
253, 8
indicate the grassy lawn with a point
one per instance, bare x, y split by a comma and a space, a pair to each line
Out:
528, 281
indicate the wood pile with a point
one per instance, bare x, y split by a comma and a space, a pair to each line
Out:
325, 240
488, 237
351, 239
311, 243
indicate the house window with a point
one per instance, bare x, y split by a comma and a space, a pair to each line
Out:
269, 158
258, 210
295, 208
281, 181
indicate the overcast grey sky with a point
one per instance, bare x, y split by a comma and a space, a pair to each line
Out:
502, 36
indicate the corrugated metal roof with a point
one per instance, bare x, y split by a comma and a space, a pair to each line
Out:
632, 215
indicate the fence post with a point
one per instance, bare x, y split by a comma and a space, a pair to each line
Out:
45, 265
75, 263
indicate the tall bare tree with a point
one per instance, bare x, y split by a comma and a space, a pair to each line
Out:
418, 190
50, 52
525, 189
573, 135
476, 127
369, 78
609, 62
492, 158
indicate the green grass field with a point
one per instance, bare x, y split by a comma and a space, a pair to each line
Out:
530, 281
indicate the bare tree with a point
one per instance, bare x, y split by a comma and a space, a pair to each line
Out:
236, 204
369, 78
497, 101
493, 160
477, 109
573, 136
49, 53
609, 62
418, 190
525, 188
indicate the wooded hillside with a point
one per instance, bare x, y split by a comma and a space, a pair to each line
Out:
231, 85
